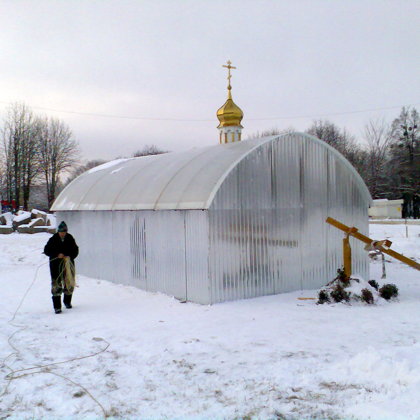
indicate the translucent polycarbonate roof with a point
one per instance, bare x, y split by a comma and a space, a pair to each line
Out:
170, 181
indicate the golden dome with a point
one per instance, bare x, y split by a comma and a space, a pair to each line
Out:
229, 114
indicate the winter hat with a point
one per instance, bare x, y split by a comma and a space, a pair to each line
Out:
62, 227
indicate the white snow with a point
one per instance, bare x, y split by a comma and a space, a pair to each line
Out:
39, 212
357, 284
21, 215
9, 218
35, 221
52, 219
263, 358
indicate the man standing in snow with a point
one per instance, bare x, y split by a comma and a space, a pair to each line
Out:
62, 250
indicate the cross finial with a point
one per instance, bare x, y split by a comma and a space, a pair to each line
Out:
229, 75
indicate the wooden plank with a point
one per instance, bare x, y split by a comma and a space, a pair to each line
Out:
367, 240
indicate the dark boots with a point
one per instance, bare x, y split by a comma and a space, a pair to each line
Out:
57, 304
67, 301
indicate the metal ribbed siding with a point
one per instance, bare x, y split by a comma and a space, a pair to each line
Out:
137, 260
93, 234
106, 244
197, 256
267, 222
263, 233
165, 251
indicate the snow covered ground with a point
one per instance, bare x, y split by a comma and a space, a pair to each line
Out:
124, 353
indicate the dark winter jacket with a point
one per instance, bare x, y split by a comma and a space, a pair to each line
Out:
55, 246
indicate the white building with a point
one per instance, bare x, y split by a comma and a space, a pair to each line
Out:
386, 209
231, 221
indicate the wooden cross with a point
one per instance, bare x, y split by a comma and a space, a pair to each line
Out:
229, 67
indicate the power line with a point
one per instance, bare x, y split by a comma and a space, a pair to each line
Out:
141, 118
332, 113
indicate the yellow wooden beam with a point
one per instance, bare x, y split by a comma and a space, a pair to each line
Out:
380, 245
346, 256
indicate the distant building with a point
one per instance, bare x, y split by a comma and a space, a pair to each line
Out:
236, 220
386, 209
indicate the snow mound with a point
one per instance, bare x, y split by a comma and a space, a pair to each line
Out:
21, 215
7, 218
351, 290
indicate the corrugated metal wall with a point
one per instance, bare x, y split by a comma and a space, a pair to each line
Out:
264, 232
267, 221
164, 251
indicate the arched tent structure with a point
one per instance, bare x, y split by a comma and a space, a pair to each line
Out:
219, 223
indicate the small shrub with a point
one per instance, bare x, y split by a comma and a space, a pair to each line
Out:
367, 296
374, 284
388, 291
323, 297
342, 277
339, 294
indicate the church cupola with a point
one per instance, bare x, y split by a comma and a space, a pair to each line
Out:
229, 116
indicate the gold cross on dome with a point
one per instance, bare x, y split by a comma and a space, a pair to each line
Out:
229, 67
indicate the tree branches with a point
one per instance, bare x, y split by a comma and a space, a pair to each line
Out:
58, 152
33, 148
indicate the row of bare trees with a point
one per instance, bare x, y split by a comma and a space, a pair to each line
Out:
390, 159
387, 158
34, 150
38, 150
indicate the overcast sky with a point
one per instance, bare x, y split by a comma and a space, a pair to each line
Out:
159, 64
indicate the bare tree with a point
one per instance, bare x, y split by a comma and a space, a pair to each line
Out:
149, 150
332, 135
19, 153
30, 160
406, 132
378, 138
271, 132
58, 152
3, 190
79, 170
341, 140
404, 163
